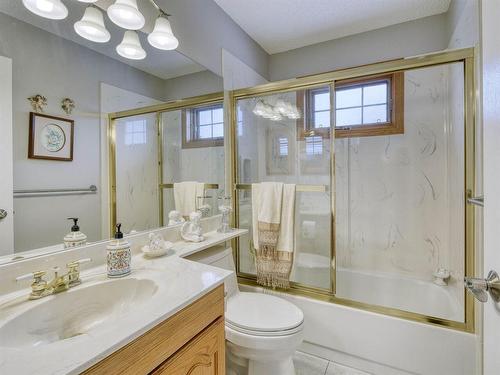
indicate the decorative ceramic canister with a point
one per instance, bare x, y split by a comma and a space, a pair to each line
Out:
75, 237
119, 255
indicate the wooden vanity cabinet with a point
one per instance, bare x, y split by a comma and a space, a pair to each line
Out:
191, 342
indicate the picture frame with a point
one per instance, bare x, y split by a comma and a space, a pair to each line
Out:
50, 137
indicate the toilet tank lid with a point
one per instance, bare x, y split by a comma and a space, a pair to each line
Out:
262, 312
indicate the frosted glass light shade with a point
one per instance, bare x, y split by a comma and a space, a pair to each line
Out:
91, 26
130, 47
88, 1
51, 9
162, 36
125, 14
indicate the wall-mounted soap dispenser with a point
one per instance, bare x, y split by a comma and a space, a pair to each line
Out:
75, 237
119, 255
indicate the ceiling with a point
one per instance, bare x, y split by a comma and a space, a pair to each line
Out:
163, 64
282, 25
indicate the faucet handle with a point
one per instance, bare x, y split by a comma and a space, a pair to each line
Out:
77, 263
74, 271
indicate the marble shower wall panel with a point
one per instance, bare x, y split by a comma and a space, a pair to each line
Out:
456, 170
204, 164
399, 198
137, 173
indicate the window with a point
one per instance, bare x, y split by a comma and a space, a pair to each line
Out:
203, 126
363, 107
283, 146
135, 132
314, 145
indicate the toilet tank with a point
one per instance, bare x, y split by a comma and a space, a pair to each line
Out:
222, 257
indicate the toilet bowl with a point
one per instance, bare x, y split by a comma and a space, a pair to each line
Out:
262, 331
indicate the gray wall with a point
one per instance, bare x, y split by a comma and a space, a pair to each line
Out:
46, 64
204, 29
195, 84
402, 40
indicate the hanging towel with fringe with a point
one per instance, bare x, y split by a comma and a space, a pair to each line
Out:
273, 213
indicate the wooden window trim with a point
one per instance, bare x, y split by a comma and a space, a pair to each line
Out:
396, 109
187, 142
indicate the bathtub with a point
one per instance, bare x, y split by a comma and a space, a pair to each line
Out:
399, 292
377, 343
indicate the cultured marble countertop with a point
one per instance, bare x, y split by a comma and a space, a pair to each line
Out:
180, 283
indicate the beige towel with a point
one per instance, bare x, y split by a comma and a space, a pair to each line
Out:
185, 196
273, 213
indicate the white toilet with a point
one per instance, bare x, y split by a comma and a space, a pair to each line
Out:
262, 331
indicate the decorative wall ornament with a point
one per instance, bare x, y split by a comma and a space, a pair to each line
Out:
38, 102
67, 105
50, 137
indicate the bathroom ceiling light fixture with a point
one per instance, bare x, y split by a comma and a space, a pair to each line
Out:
130, 47
162, 36
91, 26
278, 111
126, 14
51, 9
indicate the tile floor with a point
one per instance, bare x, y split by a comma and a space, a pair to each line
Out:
306, 364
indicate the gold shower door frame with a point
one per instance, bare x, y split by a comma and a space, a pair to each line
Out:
465, 56
157, 109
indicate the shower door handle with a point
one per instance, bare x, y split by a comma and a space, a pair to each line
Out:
482, 287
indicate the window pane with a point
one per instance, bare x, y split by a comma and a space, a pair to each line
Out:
314, 145
218, 130
283, 146
205, 131
375, 94
205, 117
218, 115
348, 117
322, 119
375, 114
348, 97
321, 101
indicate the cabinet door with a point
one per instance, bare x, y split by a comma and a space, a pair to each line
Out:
204, 355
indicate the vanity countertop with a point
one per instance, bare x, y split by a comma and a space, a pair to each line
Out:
179, 282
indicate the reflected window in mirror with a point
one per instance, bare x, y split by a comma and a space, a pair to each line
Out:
203, 126
135, 132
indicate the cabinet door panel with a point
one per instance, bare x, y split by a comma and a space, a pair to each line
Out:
205, 355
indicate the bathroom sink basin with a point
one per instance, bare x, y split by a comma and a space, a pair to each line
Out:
76, 312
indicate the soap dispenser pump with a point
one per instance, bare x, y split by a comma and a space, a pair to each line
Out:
75, 237
119, 255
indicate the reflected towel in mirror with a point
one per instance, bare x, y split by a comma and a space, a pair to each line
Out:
185, 195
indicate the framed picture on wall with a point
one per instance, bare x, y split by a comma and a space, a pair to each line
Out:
50, 137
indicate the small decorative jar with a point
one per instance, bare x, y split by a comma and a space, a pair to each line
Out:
119, 255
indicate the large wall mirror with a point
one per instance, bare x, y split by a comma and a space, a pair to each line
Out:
61, 155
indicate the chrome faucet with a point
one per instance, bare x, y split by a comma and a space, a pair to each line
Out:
41, 288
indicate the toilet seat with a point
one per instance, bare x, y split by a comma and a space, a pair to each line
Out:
259, 314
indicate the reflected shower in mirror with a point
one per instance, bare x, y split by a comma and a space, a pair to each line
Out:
193, 160
75, 81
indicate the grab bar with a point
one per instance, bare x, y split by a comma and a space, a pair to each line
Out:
207, 186
300, 188
92, 189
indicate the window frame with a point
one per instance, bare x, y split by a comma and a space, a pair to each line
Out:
190, 127
395, 125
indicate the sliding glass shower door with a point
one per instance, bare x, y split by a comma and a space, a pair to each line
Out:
285, 137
